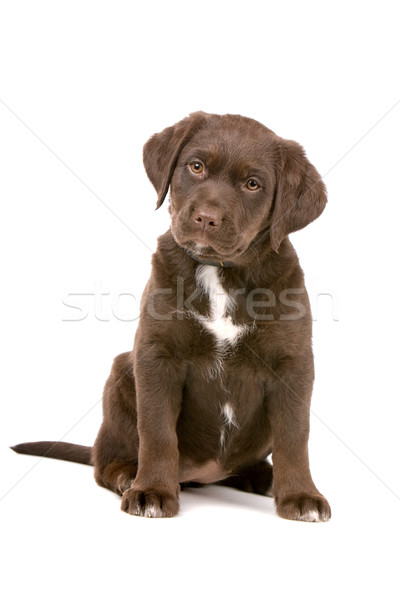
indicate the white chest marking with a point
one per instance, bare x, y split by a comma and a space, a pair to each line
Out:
221, 304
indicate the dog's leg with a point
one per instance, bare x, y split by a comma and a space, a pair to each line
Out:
296, 496
115, 452
154, 492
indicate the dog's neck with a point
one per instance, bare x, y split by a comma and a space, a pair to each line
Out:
211, 263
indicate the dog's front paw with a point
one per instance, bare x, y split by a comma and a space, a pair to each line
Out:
303, 507
150, 503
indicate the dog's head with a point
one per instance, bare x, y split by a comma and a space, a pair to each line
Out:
233, 183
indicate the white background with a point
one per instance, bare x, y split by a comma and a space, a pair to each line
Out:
82, 87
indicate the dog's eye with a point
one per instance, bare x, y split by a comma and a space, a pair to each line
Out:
252, 185
196, 167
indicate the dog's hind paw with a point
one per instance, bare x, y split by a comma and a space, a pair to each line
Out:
149, 503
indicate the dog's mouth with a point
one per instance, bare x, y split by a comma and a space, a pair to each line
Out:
223, 246
204, 251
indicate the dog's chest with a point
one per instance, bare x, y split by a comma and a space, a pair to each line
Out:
217, 318
218, 321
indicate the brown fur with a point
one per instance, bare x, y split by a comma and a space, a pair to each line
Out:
163, 403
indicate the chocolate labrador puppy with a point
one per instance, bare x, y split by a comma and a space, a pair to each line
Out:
221, 373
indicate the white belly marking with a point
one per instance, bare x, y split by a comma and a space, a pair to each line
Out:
229, 422
229, 415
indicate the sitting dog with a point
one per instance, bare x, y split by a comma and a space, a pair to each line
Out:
221, 373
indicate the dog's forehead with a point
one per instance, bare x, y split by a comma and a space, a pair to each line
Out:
234, 142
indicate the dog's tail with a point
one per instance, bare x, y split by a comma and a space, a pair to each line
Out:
60, 450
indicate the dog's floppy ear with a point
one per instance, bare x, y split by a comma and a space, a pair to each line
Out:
161, 152
300, 193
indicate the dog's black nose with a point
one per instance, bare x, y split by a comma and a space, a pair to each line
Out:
206, 219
